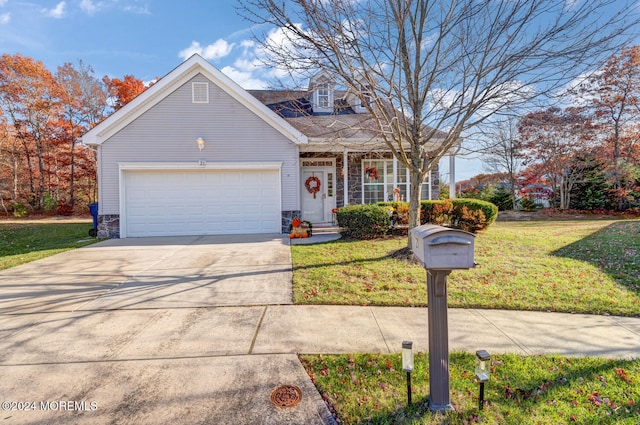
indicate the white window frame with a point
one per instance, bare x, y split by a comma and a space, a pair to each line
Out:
324, 96
388, 197
388, 163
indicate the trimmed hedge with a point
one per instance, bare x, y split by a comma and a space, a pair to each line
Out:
399, 211
374, 220
466, 210
363, 221
463, 213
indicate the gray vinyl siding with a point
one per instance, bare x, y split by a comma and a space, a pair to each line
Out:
168, 131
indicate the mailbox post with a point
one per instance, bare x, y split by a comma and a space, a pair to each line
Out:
440, 250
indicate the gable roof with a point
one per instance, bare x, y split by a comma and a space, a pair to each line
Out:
180, 75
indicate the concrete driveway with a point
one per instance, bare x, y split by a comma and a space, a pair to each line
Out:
149, 331
143, 273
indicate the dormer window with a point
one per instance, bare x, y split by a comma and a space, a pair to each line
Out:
321, 88
324, 96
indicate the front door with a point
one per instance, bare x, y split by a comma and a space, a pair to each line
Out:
318, 192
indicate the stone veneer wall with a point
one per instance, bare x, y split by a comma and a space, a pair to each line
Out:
355, 178
435, 183
109, 226
339, 186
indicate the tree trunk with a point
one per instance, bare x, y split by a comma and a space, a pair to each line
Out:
512, 182
72, 198
29, 166
415, 190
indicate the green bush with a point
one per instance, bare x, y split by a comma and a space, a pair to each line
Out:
19, 210
489, 210
49, 202
436, 212
363, 221
467, 214
374, 220
528, 204
502, 199
399, 211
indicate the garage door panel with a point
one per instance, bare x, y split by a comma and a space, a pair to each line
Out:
207, 202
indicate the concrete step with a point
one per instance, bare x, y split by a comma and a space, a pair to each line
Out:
317, 230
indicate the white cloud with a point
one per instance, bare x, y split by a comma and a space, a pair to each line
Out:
5, 18
216, 50
284, 40
571, 93
245, 79
89, 7
3, 2
57, 12
140, 10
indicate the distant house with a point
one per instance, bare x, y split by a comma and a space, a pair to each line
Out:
197, 154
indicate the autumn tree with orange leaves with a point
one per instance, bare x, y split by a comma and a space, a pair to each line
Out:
43, 165
29, 97
613, 96
123, 91
561, 144
83, 104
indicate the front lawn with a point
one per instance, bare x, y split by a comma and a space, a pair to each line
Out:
24, 242
583, 266
547, 390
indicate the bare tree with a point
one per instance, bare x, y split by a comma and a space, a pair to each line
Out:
423, 67
502, 151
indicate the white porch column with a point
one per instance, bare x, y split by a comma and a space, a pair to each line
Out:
430, 188
345, 181
452, 176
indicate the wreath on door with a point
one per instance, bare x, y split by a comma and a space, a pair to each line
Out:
313, 185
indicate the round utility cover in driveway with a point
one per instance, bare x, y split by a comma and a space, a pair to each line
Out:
200, 202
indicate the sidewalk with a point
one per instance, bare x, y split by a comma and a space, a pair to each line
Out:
347, 329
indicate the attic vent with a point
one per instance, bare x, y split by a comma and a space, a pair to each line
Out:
200, 92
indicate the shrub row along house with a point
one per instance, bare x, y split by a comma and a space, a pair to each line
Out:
195, 154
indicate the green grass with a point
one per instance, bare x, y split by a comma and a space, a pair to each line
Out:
548, 390
23, 243
584, 266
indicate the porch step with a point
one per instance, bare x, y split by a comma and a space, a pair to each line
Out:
318, 230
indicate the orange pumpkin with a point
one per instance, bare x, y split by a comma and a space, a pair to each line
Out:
295, 222
304, 234
291, 236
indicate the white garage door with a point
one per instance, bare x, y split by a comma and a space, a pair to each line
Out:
201, 202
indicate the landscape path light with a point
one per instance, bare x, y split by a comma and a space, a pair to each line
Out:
483, 372
407, 365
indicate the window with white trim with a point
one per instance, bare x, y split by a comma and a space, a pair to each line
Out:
323, 94
382, 176
425, 188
